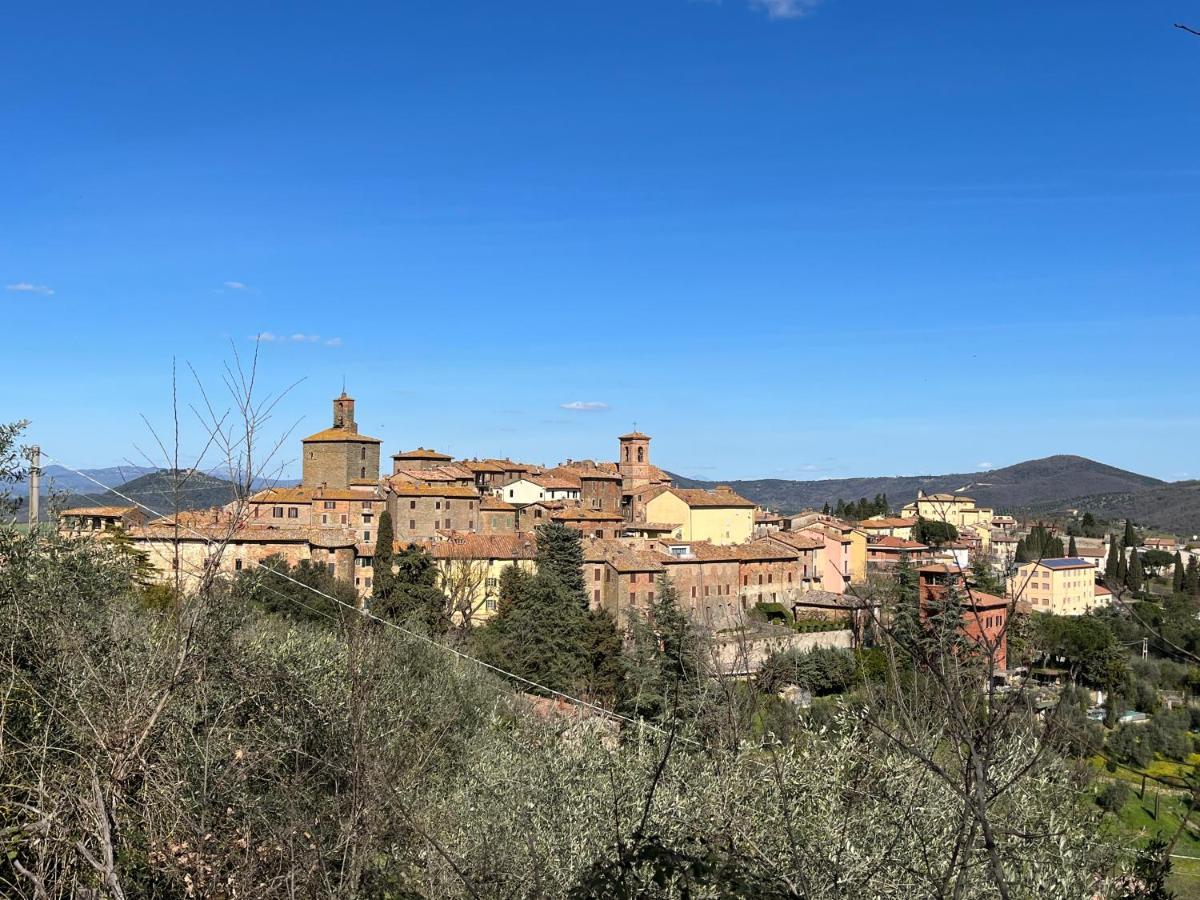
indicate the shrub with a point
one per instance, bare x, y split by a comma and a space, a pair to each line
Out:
1112, 796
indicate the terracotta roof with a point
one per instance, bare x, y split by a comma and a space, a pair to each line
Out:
340, 435
697, 498
796, 539
895, 543
434, 473
634, 436
421, 453
586, 515
887, 522
651, 526
489, 503
629, 560
111, 511
468, 545
405, 489
552, 482
480, 465
300, 494
1102, 591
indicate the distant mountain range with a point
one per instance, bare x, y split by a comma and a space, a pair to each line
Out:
1038, 486
155, 489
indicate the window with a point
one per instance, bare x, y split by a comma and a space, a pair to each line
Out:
324, 519
437, 504
641, 454
492, 582
369, 580
633, 596
490, 604
343, 518
330, 504
412, 504
437, 523
237, 565
470, 524
693, 592
293, 512
367, 536
412, 524
277, 512
649, 596
596, 595
599, 532
362, 472
366, 517
596, 574
367, 506
362, 452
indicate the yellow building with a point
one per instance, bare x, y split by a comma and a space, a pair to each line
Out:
1065, 587
720, 517
959, 511
469, 567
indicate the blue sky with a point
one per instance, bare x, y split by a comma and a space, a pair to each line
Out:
806, 239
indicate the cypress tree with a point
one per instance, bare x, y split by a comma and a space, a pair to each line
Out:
1134, 577
560, 557
604, 664
1122, 567
1111, 564
1072, 550
1177, 580
1191, 578
825, 509
1130, 539
1022, 553
382, 579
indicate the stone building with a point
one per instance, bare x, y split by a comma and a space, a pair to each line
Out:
420, 458
420, 511
340, 455
496, 516
599, 487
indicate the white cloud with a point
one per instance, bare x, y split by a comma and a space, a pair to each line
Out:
984, 465
785, 9
26, 287
299, 337
584, 406
235, 286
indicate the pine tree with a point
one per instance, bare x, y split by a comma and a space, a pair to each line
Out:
1130, 539
906, 619
840, 509
825, 509
1072, 550
1111, 564
560, 557
382, 579
412, 594
1177, 580
538, 632
1134, 577
666, 674
605, 664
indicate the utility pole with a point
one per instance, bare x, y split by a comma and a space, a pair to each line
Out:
35, 483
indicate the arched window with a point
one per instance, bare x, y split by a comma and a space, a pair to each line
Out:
641, 454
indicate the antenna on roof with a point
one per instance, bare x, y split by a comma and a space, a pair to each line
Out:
343, 383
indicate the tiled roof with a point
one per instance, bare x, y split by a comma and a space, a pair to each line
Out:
405, 489
887, 522
468, 545
796, 539
489, 503
1102, 591
300, 494
577, 471
697, 498
111, 511
559, 482
340, 435
435, 473
651, 526
895, 543
421, 453
585, 515
634, 436
480, 465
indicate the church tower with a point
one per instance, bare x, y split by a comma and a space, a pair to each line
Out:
340, 456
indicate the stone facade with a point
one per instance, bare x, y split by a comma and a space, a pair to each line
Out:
420, 511
339, 456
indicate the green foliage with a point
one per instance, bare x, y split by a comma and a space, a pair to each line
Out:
1087, 645
12, 467
1134, 576
411, 596
1178, 574
1157, 559
934, 533
863, 508
1072, 550
821, 670
1191, 577
771, 612
1130, 538
666, 673
984, 577
1113, 563
297, 593
1041, 544
383, 579
1151, 869
1113, 795
560, 557
604, 663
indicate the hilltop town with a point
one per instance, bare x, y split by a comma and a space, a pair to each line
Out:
728, 559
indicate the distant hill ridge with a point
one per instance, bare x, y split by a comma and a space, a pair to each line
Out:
1046, 485
157, 490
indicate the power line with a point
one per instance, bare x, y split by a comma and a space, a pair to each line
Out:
412, 634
